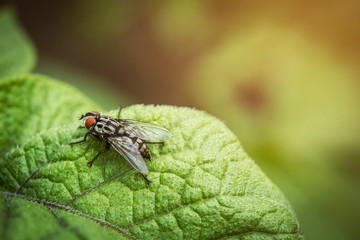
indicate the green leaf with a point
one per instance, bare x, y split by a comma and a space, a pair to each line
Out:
26, 218
32, 103
204, 186
17, 52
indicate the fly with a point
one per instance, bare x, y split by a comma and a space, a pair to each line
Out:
128, 137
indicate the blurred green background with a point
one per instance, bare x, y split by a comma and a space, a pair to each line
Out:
283, 76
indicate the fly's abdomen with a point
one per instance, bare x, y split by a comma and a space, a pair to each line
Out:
140, 144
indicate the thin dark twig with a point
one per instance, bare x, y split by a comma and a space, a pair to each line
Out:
67, 209
61, 223
94, 187
30, 177
64, 225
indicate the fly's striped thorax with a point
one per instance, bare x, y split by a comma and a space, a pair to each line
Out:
106, 126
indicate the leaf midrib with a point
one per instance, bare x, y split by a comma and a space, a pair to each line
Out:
123, 230
67, 209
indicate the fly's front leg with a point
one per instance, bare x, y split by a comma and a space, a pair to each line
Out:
84, 140
107, 147
120, 108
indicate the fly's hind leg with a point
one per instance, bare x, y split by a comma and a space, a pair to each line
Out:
107, 147
148, 182
162, 143
146, 154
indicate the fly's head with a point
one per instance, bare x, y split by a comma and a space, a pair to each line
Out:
90, 119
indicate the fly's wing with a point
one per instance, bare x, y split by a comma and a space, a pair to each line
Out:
127, 149
146, 131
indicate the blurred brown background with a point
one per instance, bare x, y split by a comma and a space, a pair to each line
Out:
284, 77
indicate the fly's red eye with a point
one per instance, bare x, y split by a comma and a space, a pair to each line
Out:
89, 122
95, 112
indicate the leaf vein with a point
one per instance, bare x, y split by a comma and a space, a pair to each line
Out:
67, 209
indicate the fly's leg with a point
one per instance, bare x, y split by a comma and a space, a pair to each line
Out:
120, 108
107, 147
96, 137
80, 127
162, 143
147, 153
148, 182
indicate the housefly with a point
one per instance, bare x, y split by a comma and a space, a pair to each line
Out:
128, 137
